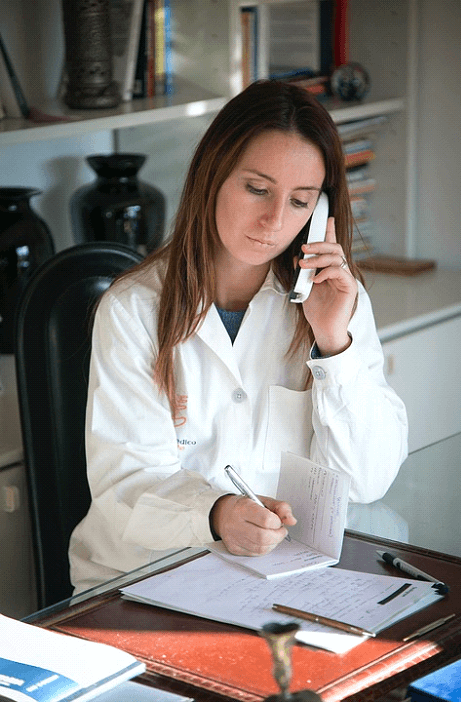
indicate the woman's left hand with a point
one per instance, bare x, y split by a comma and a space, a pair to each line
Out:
329, 307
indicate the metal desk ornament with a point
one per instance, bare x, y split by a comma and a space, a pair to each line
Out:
280, 639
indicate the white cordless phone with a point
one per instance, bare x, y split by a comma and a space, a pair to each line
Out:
302, 282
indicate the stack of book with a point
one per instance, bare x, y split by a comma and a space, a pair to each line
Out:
141, 44
361, 186
359, 152
318, 85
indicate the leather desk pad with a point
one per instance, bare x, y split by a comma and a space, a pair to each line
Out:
227, 661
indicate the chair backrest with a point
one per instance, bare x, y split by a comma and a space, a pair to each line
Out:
53, 344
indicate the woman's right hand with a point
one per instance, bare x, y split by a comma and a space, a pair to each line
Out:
246, 528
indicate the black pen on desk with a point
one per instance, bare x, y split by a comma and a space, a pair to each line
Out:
326, 621
244, 489
429, 627
412, 571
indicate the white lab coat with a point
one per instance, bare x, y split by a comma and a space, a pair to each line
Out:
153, 481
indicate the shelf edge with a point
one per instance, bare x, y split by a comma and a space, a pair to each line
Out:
25, 132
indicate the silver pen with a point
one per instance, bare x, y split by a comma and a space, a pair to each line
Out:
429, 627
241, 485
244, 489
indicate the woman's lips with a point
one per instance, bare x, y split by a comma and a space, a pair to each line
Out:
262, 242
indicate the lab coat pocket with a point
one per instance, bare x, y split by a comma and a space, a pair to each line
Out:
289, 426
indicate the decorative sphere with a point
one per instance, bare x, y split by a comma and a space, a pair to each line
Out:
350, 82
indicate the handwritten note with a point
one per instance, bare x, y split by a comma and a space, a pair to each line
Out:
318, 496
216, 589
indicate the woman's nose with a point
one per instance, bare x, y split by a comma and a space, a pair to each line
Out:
272, 217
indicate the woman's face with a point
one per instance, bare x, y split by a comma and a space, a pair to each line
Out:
268, 197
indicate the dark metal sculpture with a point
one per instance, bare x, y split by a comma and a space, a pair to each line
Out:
89, 55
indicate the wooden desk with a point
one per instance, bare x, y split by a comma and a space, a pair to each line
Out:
212, 662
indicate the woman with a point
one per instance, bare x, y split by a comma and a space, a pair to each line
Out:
201, 360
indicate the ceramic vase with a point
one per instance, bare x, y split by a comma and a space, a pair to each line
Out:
25, 243
118, 206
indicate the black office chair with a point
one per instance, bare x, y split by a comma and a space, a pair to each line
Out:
53, 341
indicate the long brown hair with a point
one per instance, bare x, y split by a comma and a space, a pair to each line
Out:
189, 283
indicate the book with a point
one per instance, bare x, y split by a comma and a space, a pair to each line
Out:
361, 187
168, 87
46, 666
160, 49
359, 158
212, 588
357, 145
158, 35
361, 127
301, 44
318, 496
249, 27
294, 37
317, 86
140, 76
150, 48
341, 33
443, 685
327, 12
125, 19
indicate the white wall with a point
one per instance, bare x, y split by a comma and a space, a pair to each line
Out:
57, 168
438, 211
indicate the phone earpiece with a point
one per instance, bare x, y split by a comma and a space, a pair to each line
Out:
302, 281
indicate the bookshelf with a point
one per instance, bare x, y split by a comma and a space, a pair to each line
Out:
207, 60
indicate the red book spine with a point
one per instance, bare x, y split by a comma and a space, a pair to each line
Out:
341, 33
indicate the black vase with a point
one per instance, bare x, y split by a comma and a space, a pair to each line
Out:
25, 243
118, 206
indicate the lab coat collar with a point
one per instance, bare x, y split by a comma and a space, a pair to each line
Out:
214, 334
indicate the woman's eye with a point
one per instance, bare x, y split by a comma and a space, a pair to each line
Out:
256, 191
299, 203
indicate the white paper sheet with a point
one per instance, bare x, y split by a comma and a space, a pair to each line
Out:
215, 589
318, 496
289, 558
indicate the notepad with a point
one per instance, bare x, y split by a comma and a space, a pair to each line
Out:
213, 588
318, 496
